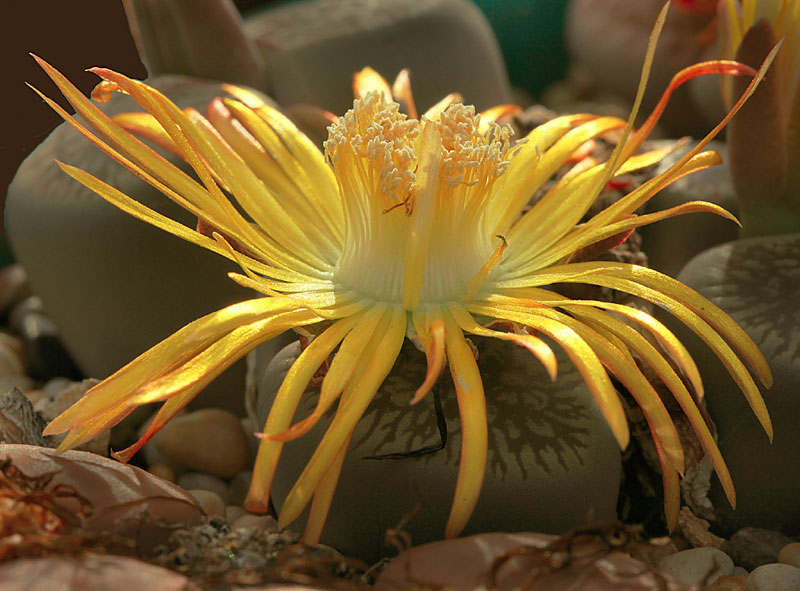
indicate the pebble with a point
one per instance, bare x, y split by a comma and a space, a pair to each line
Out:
200, 481
47, 357
62, 394
751, 547
209, 440
22, 383
12, 355
234, 512
774, 577
162, 471
736, 583
211, 503
698, 565
239, 486
14, 287
264, 522
790, 554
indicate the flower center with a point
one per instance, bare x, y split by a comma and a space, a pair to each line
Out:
410, 194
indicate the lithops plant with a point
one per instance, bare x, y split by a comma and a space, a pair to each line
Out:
409, 226
757, 279
115, 286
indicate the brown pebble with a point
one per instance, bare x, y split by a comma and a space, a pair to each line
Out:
265, 522
162, 471
790, 554
13, 287
12, 355
209, 501
240, 485
729, 584
209, 440
234, 512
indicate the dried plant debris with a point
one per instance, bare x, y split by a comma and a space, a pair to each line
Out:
40, 516
215, 557
32, 522
593, 559
19, 422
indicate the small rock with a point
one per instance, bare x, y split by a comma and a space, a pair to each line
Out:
209, 440
739, 571
21, 383
211, 502
200, 481
774, 577
152, 455
751, 547
37, 397
162, 471
239, 486
697, 566
14, 287
262, 522
736, 583
12, 355
63, 394
790, 554
234, 512
47, 357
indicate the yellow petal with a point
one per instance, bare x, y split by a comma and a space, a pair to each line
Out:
430, 329
419, 232
535, 345
474, 430
112, 392
368, 80
581, 355
352, 354
355, 401
285, 405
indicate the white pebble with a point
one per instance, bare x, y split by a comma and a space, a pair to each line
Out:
263, 522
739, 571
209, 502
698, 565
774, 577
200, 481
790, 554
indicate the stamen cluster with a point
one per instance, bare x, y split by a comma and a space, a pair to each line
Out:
376, 132
469, 154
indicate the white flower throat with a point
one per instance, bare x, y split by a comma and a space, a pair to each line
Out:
409, 193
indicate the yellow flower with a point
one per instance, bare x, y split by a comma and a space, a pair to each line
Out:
405, 227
